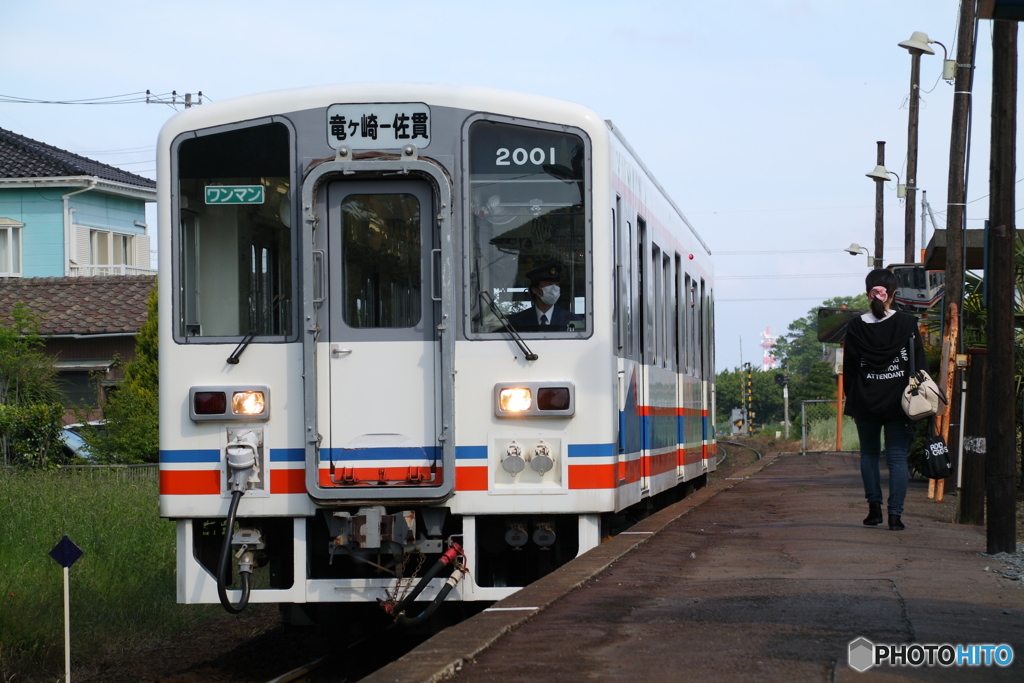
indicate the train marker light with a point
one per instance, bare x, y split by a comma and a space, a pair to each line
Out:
246, 403
553, 398
534, 399
515, 400
209, 403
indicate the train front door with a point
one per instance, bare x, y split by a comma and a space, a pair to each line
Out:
382, 360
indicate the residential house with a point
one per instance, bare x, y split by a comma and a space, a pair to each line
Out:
74, 246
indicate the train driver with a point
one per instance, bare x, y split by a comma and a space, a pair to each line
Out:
544, 315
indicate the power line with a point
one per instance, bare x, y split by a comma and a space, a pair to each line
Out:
779, 251
796, 298
127, 98
776, 277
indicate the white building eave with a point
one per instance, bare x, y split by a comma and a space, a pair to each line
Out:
109, 186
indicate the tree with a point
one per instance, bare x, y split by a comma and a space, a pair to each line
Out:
30, 410
130, 433
730, 392
799, 348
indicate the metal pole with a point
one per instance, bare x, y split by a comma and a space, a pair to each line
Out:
785, 403
908, 228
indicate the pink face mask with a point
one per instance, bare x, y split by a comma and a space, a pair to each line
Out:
879, 293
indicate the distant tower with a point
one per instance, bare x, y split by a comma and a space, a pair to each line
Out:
767, 342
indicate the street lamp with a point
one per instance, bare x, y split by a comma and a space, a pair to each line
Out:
855, 249
917, 45
880, 175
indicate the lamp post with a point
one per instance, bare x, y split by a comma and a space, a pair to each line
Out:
880, 175
855, 249
917, 45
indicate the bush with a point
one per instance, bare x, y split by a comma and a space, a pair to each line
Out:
30, 435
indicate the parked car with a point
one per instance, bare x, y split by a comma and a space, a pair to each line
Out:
74, 444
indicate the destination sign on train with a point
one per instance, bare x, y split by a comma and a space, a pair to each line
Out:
378, 125
234, 194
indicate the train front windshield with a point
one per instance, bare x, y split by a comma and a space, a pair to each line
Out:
235, 249
528, 197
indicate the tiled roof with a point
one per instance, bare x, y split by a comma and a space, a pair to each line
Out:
80, 305
22, 157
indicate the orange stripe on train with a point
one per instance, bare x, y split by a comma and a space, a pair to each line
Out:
189, 482
288, 481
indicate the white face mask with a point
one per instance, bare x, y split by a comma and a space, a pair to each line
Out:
549, 295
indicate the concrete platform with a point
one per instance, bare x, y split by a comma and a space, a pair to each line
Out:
769, 575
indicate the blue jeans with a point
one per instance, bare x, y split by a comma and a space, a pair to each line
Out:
897, 441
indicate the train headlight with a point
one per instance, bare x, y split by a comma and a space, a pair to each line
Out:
514, 400
248, 402
229, 403
534, 399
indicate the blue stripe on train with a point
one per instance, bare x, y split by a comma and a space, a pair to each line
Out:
190, 456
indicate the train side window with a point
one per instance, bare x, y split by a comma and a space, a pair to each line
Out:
234, 238
688, 325
702, 340
678, 309
659, 308
668, 317
528, 203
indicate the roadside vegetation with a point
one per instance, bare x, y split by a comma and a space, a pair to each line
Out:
122, 589
131, 429
30, 410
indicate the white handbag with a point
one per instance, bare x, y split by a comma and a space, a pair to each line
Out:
921, 397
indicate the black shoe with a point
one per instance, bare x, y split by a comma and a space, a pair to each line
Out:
874, 514
895, 523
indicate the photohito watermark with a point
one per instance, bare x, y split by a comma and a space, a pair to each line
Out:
864, 654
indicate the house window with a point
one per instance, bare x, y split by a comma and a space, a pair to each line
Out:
111, 248
10, 247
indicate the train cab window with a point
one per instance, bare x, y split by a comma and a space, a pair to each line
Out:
235, 247
529, 237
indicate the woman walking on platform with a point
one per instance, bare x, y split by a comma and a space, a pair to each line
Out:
876, 369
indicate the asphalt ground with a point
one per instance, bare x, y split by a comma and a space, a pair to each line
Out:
769, 575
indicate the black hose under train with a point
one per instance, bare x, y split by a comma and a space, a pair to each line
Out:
224, 563
403, 620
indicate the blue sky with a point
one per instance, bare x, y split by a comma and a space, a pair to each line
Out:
760, 117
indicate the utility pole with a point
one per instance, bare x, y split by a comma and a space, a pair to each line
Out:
999, 394
956, 221
908, 229
879, 211
916, 46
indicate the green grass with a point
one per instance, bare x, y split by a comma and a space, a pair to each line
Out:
821, 435
122, 589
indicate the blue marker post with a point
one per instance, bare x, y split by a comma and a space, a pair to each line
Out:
66, 553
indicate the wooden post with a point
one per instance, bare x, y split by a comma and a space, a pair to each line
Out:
999, 399
880, 210
956, 211
908, 227
971, 499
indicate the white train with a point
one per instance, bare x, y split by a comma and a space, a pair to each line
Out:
353, 365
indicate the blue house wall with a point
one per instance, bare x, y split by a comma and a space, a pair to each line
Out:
42, 212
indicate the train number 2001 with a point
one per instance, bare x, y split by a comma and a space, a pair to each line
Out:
520, 156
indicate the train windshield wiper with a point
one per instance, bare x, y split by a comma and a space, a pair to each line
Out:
237, 353
527, 353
